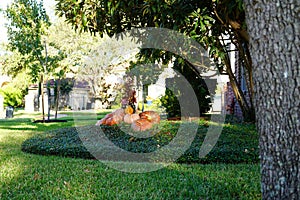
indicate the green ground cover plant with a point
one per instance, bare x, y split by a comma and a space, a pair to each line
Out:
31, 176
237, 143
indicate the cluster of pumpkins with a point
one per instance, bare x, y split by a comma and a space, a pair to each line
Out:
139, 121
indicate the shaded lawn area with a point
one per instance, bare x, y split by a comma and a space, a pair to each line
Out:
28, 176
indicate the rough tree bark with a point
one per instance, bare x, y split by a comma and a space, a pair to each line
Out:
274, 29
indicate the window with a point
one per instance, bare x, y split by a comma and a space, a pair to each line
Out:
243, 80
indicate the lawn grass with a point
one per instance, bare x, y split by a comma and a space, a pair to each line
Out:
28, 176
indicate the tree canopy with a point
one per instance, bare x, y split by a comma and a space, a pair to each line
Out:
27, 24
26, 30
212, 24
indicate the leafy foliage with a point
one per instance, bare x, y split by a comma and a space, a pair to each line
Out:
212, 24
66, 85
73, 45
12, 96
169, 100
15, 91
28, 21
237, 144
13, 63
170, 103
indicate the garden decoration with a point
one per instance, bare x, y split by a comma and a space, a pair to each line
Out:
124, 103
141, 125
112, 118
150, 116
129, 110
132, 100
139, 121
130, 118
147, 119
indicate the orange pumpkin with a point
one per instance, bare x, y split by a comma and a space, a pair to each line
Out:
109, 115
118, 115
112, 118
110, 121
101, 122
141, 125
128, 110
131, 118
152, 116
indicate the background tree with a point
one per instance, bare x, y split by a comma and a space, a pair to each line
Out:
27, 23
213, 24
61, 87
13, 63
103, 68
82, 52
95, 71
63, 42
12, 66
275, 46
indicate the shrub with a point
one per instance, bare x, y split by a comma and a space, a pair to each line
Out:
171, 103
175, 89
12, 96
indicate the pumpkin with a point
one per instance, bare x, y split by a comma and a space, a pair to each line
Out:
109, 115
128, 110
152, 116
112, 118
111, 121
103, 120
131, 118
118, 115
141, 125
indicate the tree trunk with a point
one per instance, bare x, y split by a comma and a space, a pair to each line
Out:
57, 97
43, 100
275, 46
49, 103
247, 110
246, 107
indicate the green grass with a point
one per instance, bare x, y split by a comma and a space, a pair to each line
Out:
28, 176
